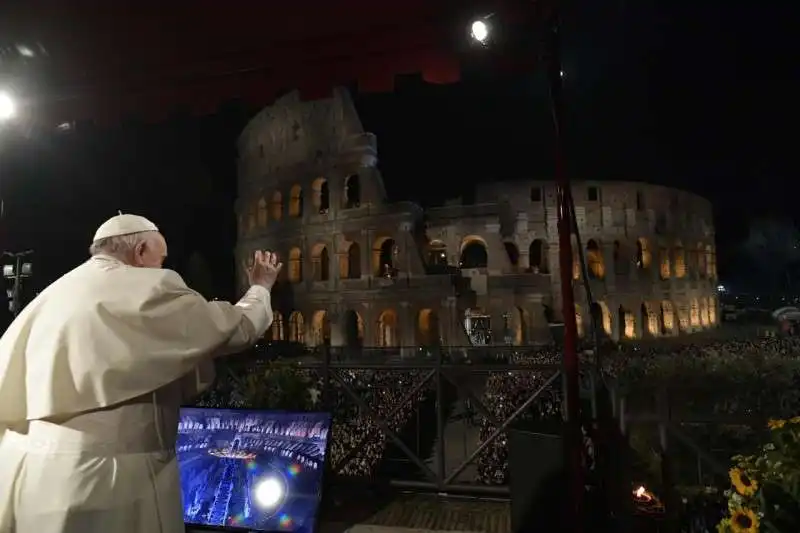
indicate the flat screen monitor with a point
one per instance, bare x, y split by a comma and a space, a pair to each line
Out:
252, 470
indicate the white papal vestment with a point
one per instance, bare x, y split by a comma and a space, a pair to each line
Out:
92, 374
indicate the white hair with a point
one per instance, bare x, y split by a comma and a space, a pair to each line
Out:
120, 247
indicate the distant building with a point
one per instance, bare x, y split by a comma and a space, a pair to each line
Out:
362, 271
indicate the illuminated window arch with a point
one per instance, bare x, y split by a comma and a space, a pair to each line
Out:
649, 319
262, 215
474, 253
387, 329
296, 201
383, 256
694, 312
350, 262
297, 327
427, 328
703, 312
667, 316
680, 260
643, 254
518, 321
627, 324
320, 195
538, 256
320, 328
276, 206
594, 260
603, 316
295, 265
712, 311
320, 262
277, 329
665, 268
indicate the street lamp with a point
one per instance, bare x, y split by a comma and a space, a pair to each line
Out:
480, 30
8, 108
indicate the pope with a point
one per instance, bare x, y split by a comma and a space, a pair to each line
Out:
92, 374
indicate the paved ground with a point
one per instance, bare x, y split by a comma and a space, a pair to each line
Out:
418, 514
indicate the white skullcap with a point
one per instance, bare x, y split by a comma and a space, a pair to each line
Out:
123, 225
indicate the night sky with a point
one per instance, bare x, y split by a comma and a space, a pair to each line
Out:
687, 94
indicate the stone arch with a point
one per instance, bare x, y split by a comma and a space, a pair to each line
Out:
383, 254
276, 206
320, 328
350, 262
576, 261
387, 329
643, 254
477, 324
538, 257
296, 201
601, 316
594, 260
664, 263
437, 254
712, 311
320, 195
352, 191
704, 312
262, 214
353, 329
694, 312
295, 265
667, 317
474, 253
649, 318
320, 262
679, 261
626, 324
277, 329
427, 328
297, 327
512, 252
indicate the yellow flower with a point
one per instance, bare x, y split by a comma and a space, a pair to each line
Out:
743, 484
744, 521
776, 424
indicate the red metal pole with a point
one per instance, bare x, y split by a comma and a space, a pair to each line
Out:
573, 437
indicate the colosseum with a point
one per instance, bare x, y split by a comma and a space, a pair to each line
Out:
360, 271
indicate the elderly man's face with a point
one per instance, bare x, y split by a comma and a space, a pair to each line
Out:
151, 252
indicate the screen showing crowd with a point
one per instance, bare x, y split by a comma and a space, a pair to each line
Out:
255, 470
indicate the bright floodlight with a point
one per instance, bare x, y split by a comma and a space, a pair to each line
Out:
7, 107
269, 492
480, 31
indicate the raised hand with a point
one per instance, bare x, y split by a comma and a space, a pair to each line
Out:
264, 270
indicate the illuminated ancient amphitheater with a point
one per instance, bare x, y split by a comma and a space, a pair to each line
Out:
361, 271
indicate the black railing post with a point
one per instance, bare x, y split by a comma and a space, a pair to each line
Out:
327, 396
441, 421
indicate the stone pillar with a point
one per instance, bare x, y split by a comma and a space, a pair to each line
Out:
370, 319
524, 260
498, 261
406, 329
336, 320
611, 267
366, 244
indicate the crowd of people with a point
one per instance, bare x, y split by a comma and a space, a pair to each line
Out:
501, 393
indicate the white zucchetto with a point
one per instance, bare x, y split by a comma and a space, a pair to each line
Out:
123, 225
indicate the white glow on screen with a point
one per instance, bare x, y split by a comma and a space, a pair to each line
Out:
269, 492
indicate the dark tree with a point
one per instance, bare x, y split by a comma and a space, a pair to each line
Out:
772, 248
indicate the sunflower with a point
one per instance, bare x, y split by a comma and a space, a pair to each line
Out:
744, 521
743, 484
776, 424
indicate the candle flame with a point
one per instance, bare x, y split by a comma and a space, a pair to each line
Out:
640, 492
